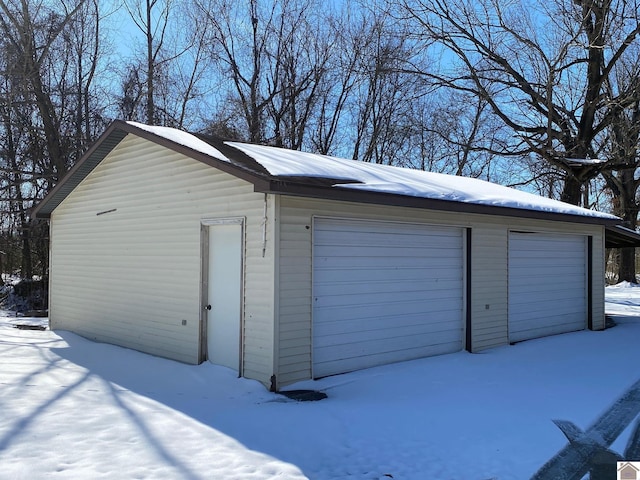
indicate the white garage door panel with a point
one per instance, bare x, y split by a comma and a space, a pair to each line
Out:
352, 362
536, 321
339, 313
329, 260
547, 285
340, 233
325, 275
424, 342
549, 326
377, 294
559, 297
384, 292
387, 339
535, 269
336, 331
542, 311
390, 287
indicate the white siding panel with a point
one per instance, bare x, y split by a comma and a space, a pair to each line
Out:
384, 292
547, 285
597, 280
132, 276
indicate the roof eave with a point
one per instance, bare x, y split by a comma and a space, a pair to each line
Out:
241, 167
109, 139
618, 236
382, 198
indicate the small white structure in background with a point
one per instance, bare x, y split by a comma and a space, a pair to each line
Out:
287, 266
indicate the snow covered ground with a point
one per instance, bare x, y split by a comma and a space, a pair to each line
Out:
74, 409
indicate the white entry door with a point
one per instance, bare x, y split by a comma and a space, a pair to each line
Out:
224, 294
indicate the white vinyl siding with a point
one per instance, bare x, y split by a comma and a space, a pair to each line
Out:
132, 276
489, 271
597, 280
547, 285
384, 292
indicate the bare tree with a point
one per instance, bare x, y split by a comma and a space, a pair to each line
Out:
275, 57
190, 86
457, 134
622, 146
154, 30
543, 70
385, 94
83, 40
239, 35
32, 40
46, 75
346, 32
297, 63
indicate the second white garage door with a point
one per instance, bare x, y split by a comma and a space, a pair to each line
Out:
547, 285
384, 292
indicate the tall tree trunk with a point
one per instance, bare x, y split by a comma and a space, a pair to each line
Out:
627, 266
623, 187
27, 263
572, 190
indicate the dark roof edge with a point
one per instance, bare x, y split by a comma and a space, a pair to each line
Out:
56, 195
382, 198
618, 236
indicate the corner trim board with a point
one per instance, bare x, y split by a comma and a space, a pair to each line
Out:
468, 273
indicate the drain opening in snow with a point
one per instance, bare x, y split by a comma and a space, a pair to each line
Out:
304, 395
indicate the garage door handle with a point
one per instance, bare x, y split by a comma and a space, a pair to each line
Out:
208, 307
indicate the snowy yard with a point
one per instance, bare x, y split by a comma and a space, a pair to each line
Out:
74, 409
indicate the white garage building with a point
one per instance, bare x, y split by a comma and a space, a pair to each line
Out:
287, 266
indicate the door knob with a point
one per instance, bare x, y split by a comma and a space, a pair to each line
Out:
208, 307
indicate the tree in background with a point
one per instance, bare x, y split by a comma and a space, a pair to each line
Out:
46, 94
458, 136
274, 57
523, 94
544, 69
82, 50
152, 18
385, 96
623, 181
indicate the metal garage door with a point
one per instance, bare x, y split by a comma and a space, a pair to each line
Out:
384, 292
547, 285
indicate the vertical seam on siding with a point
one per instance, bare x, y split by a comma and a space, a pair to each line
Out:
312, 309
509, 231
468, 273
277, 350
264, 227
590, 282
49, 293
204, 291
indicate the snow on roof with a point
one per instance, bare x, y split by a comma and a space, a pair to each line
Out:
182, 138
280, 162
404, 181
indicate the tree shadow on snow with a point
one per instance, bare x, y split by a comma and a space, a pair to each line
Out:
196, 391
614, 319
